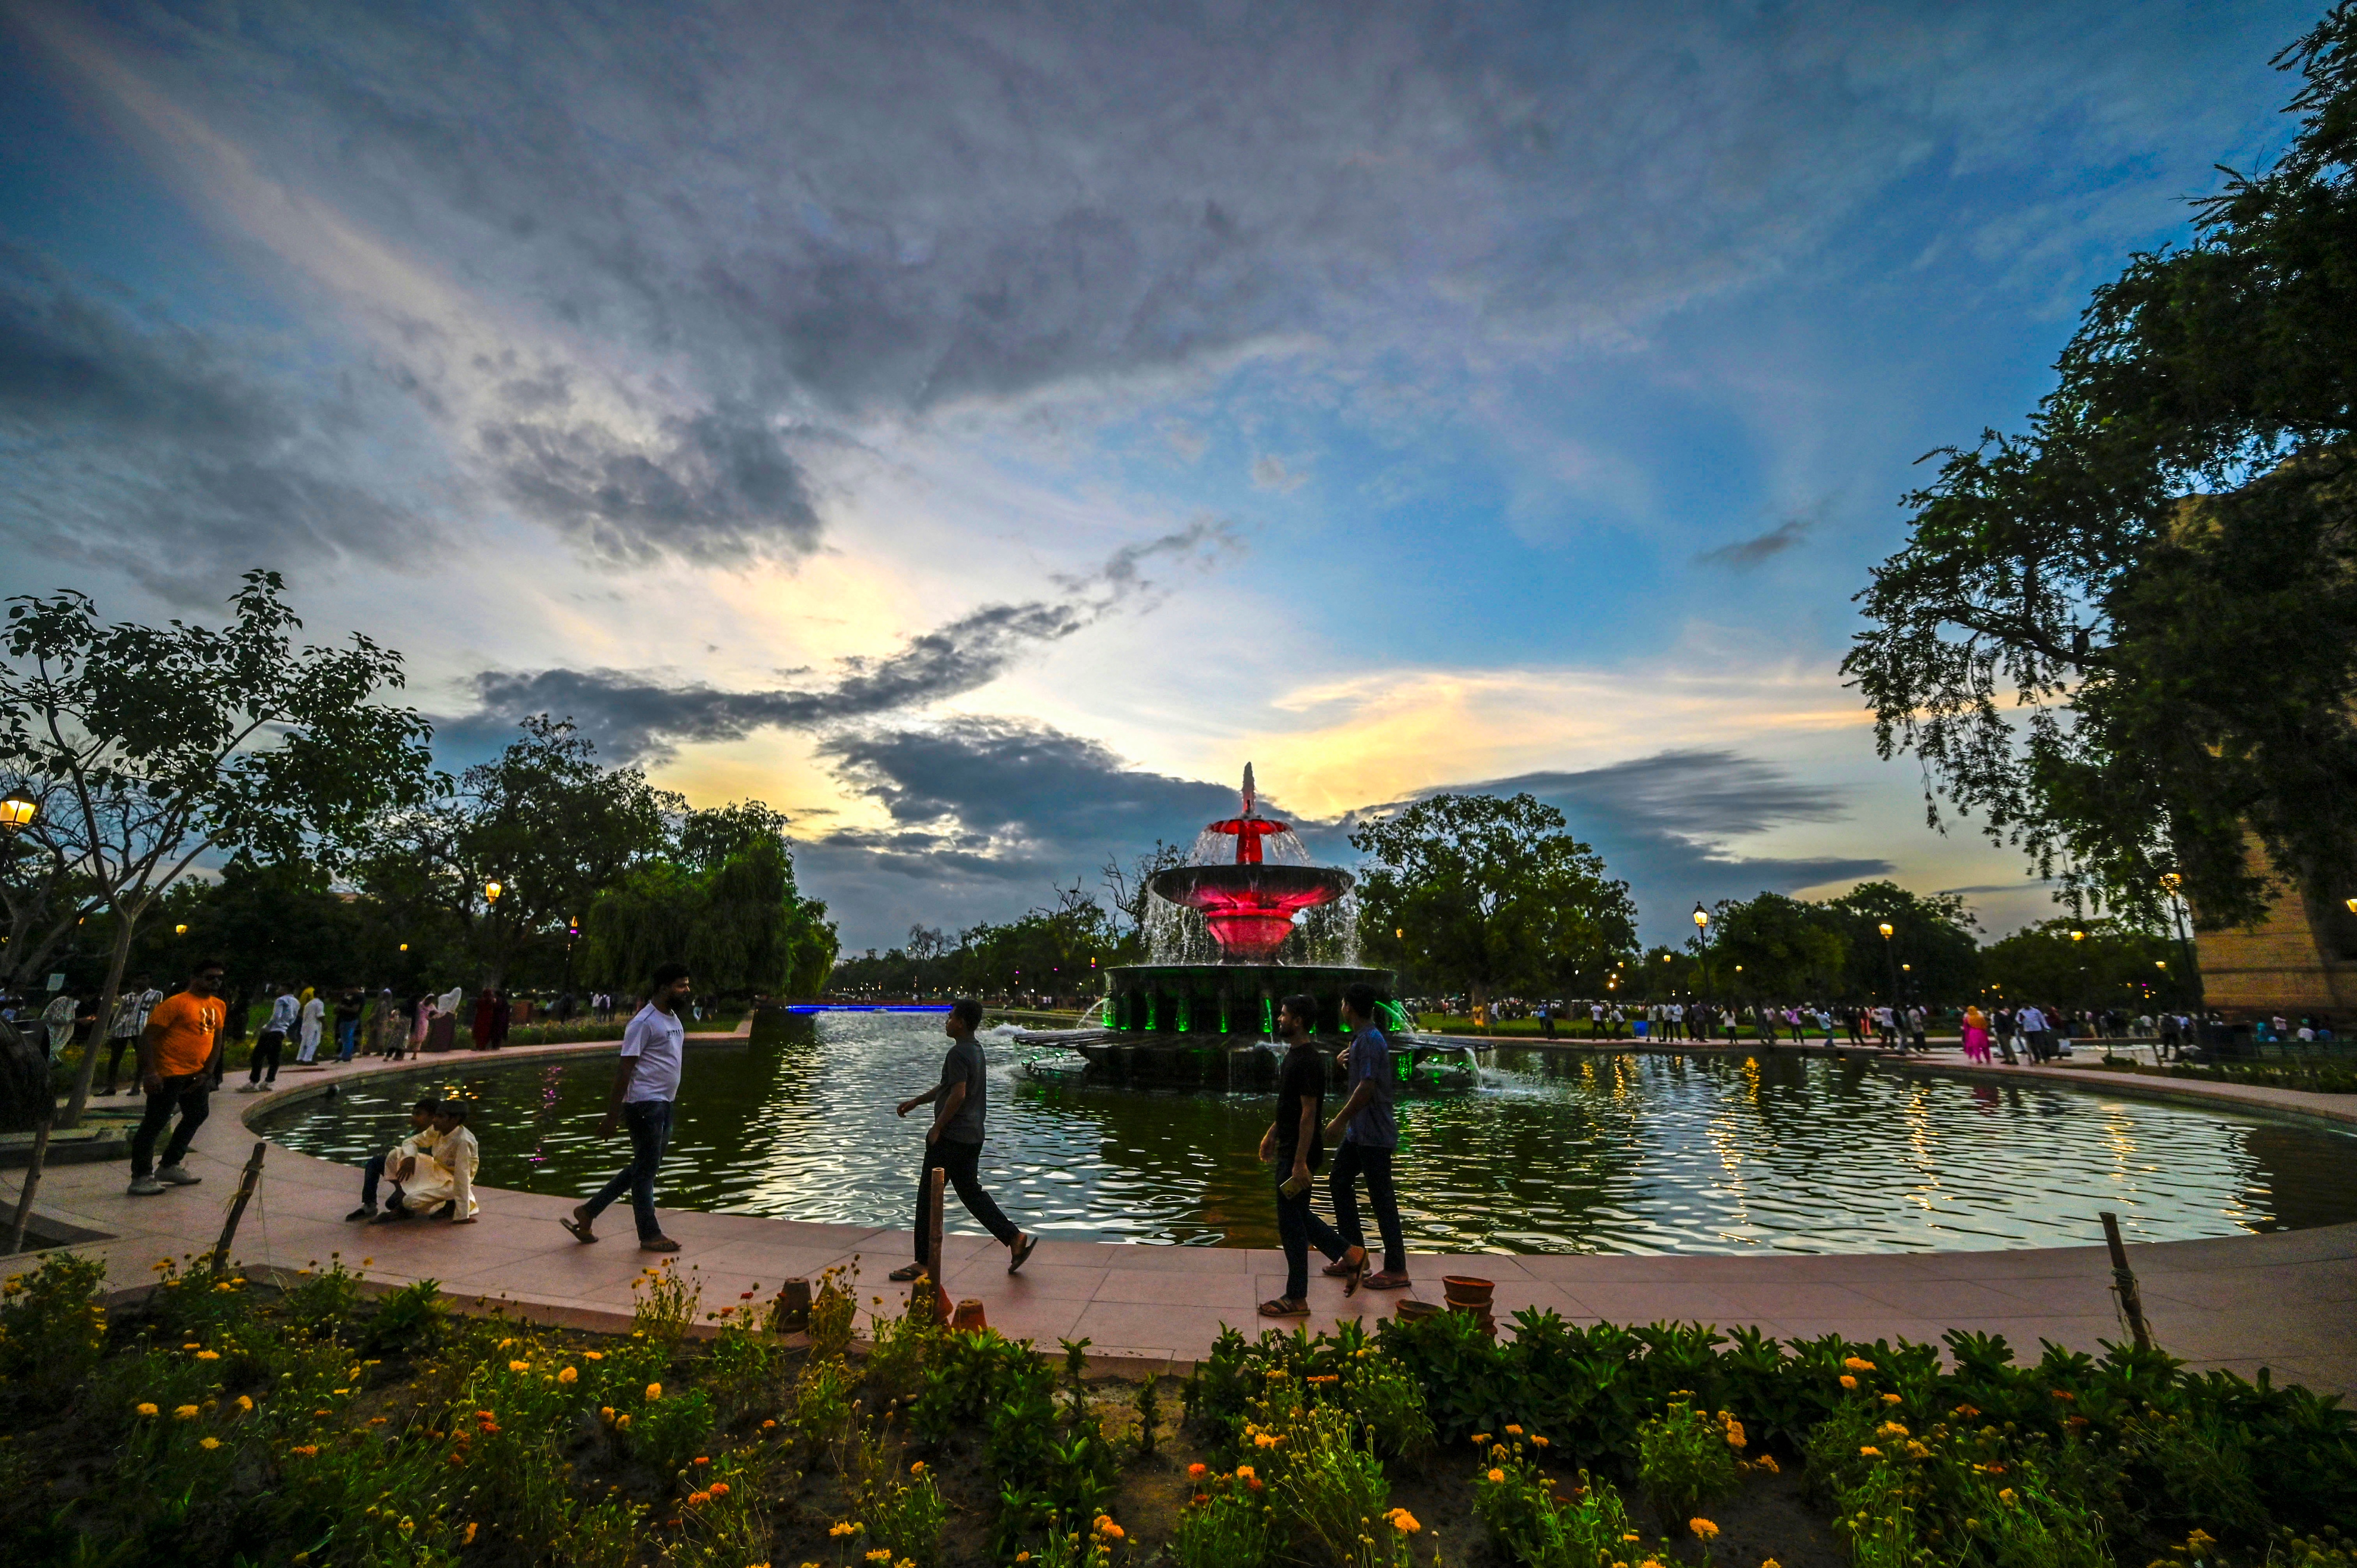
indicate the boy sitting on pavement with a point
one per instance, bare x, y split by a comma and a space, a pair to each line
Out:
400, 1160
443, 1179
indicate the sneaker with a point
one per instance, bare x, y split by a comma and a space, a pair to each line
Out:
145, 1186
365, 1211
178, 1176
249, 1089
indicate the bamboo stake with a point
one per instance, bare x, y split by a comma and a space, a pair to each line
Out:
245, 1185
2123, 1282
32, 1177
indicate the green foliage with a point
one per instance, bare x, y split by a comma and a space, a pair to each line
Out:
1686, 1460
663, 1305
2128, 635
1533, 1526
823, 1412
2110, 963
1774, 947
1488, 894
52, 1329
1331, 1489
413, 1317
834, 1312
1227, 1524
727, 906
903, 1347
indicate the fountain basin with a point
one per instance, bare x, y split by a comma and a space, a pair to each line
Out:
1250, 906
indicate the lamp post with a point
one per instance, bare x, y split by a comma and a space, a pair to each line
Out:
2188, 980
17, 811
1702, 940
1890, 958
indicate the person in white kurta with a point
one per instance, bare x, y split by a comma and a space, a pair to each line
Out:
315, 1016
445, 1174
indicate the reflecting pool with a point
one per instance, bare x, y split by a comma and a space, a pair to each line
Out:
1557, 1151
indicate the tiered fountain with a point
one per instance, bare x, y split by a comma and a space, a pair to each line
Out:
1183, 1022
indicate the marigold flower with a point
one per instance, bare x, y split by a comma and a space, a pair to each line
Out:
1891, 1399
593, 1355
1403, 1521
1703, 1529
1857, 1364
881, 1554
308, 1450
145, 1409
697, 1499
701, 1459
1891, 1429
1768, 1463
654, 1391
1497, 1476
1966, 1412
623, 1419
1479, 1438
1871, 1452
245, 1403
468, 1536
208, 1355
1769, 1562
1513, 1432
569, 1375
1538, 1440
192, 1345
918, 1468
848, 1527
209, 1444
718, 1489
768, 1426
2006, 1496
1243, 1472
519, 1366
1195, 1470
1847, 1381
186, 1412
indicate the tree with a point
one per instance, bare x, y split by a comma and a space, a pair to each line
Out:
2081, 963
1488, 894
544, 820
158, 746
724, 903
2127, 637
1774, 948
1931, 947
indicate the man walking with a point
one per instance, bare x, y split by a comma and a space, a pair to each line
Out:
646, 1082
1294, 1147
2037, 1033
1368, 1131
270, 1045
131, 1009
954, 1143
175, 1065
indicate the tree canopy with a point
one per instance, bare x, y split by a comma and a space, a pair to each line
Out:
2126, 637
1488, 893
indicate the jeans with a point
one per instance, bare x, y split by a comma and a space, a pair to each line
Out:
649, 1122
960, 1161
371, 1174
115, 1050
268, 1047
191, 1095
1349, 1160
1298, 1228
348, 1040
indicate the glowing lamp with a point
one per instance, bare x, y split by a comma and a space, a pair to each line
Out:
405, 947
2161, 964
17, 813
2078, 936
491, 891
1887, 929
1701, 917
179, 930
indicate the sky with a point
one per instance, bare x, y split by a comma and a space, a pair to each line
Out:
980, 430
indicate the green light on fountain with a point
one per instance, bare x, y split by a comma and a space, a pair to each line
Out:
1186, 1014
1223, 1015
1104, 1014
1395, 1016
1267, 1016
1149, 1012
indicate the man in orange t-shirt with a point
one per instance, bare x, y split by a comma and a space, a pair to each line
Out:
176, 1063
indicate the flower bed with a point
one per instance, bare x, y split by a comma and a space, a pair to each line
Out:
228, 1421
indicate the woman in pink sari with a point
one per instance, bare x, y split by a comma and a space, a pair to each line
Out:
1977, 1035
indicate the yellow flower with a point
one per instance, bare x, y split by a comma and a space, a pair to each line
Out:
1479, 1438
2006, 1495
208, 1355
1497, 1477
245, 1403
1538, 1440
1513, 1432
186, 1412
593, 1355
1871, 1452
1857, 1365
468, 1538
145, 1409
1403, 1521
654, 1391
1703, 1529
1891, 1429
881, 1554
209, 1444
1769, 1562
569, 1375
1891, 1399
1243, 1472
519, 1366
848, 1527
1847, 1381
1768, 1463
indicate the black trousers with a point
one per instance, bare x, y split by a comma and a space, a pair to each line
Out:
116, 1046
1350, 1161
268, 1047
1298, 1228
960, 1160
191, 1095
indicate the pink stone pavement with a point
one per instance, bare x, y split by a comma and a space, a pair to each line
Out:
2286, 1300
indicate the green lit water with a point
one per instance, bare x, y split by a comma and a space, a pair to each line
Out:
1557, 1152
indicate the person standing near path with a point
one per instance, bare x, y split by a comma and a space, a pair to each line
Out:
348, 1023
1368, 1131
270, 1045
646, 1082
315, 1020
2032, 1024
954, 1143
176, 1065
1294, 1148
130, 1012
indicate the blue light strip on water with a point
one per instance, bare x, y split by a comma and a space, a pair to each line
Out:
862, 1008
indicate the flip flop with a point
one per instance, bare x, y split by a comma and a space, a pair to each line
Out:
1280, 1307
906, 1273
580, 1232
1388, 1282
1357, 1273
1022, 1253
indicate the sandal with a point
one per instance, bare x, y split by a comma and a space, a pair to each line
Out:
1355, 1274
1022, 1252
908, 1271
1284, 1306
1387, 1281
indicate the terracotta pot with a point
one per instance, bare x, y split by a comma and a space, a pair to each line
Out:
1464, 1289
970, 1315
793, 1307
1410, 1310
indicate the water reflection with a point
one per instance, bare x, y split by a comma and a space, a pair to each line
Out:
1556, 1151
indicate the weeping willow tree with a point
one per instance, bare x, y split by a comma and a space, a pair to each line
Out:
724, 903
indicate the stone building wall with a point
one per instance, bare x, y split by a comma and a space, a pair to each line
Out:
2302, 958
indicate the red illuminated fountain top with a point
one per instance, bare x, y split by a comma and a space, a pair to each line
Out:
1249, 905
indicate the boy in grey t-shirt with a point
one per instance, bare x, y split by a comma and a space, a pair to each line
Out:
953, 1143
1369, 1133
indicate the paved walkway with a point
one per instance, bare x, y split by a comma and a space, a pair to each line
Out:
2285, 1301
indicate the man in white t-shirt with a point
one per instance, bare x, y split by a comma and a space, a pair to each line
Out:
646, 1081
2037, 1031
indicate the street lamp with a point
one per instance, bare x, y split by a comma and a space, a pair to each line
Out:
491, 891
179, 930
17, 812
1702, 936
2191, 975
1890, 958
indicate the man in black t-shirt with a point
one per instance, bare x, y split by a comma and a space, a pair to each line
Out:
953, 1143
1295, 1147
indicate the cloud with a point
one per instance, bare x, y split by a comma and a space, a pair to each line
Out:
632, 717
125, 440
1746, 553
1269, 473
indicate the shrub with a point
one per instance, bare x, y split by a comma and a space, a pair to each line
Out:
664, 1304
834, 1311
823, 1405
1227, 1524
51, 1331
1686, 1460
1526, 1521
411, 1318
668, 1431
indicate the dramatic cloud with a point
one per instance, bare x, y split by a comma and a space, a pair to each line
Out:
633, 718
1749, 552
197, 445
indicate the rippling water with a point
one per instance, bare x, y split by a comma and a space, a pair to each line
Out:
1557, 1152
